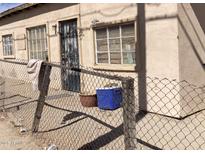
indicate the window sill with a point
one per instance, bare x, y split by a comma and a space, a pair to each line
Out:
9, 57
115, 67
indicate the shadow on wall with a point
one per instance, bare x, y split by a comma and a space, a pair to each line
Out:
114, 133
199, 11
33, 11
189, 36
118, 131
142, 61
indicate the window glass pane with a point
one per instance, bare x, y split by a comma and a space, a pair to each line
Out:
33, 41
45, 38
128, 44
31, 54
101, 33
4, 48
7, 45
128, 30
10, 50
40, 38
102, 57
37, 42
114, 31
114, 44
121, 41
30, 46
115, 58
35, 55
45, 54
39, 55
128, 57
102, 45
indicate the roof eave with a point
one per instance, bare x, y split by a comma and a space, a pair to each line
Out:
16, 9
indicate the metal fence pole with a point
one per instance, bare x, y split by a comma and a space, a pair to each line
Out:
129, 111
2, 92
45, 71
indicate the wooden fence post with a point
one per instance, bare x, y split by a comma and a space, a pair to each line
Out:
45, 72
129, 113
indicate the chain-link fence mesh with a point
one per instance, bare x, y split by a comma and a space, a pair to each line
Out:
171, 115
154, 113
70, 125
70, 117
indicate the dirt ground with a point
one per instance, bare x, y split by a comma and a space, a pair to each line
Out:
85, 128
12, 139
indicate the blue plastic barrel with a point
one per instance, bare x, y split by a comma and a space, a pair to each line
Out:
109, 98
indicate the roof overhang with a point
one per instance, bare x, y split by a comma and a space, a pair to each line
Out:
17, 9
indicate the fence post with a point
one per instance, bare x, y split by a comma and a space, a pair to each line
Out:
3, 86
45, 72
129, 111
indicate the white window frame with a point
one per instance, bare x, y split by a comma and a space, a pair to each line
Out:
11, 55
36, 39
108, 43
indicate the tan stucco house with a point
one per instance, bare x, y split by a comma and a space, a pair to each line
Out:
103, 36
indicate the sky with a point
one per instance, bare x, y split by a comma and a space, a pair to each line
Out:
6, 6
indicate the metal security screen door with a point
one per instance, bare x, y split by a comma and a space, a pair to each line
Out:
69, 55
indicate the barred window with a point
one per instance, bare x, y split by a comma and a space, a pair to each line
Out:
37, 43
7, 41
116, 44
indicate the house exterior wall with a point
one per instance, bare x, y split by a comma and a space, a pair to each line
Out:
191, 45
161, 36
43, 15
48, 15
162, 58
162, 46
161, 39
191, 56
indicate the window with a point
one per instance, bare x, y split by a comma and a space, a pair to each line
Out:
116, 44
7, 45
37, 43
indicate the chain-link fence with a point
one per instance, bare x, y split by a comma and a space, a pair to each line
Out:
171, 115
152, 114
68, 114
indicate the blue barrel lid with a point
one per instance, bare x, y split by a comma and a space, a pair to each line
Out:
107, 88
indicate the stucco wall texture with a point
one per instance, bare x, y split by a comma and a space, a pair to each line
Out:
161, 34
169, 53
